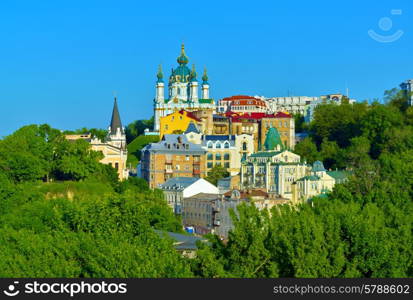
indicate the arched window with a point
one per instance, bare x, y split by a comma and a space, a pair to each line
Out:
209, 145
218, 145
210, 156
218, 156
226, 156
226, 145
179, 91
244, 146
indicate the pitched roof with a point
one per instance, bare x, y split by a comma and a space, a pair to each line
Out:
272, 139
339, 175
174, 143
239, 97
318, 166
178, 183
192, 128
115, 122
189, 115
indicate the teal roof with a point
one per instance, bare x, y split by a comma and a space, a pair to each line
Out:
318, 166
206, 100
310, 178
272, 139
338, 175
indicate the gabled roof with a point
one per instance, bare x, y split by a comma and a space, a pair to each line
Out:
189, 115
192, 128
318, 166
178, 183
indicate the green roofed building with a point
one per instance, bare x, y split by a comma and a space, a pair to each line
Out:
280, 172
182, 90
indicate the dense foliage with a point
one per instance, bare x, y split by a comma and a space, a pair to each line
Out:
89, 225
364, 228
137, 128
135, 147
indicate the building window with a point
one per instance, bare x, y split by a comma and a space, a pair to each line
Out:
226, 145
218, 145
226, 165
218, 156
209, 165
187, 157
209, 145
210, 156
226, 156
244, 146
117, 166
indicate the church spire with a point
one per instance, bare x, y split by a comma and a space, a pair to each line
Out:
193, 73
205, 77
160, 74
115, 122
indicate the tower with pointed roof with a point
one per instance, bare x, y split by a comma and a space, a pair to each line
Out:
116, 133
182, 91
113, 146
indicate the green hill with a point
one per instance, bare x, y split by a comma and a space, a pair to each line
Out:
135, 147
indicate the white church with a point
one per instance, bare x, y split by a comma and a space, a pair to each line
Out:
182, 91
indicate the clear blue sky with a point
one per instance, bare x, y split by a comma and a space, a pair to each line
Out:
62, 60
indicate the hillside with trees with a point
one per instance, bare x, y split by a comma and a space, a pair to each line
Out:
63, 214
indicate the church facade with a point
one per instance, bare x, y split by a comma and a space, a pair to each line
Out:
183, 91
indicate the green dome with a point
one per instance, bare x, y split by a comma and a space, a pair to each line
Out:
272, 139
180, 74
182, 59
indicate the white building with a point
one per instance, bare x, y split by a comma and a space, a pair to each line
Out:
182, 91
292, 105
177, 188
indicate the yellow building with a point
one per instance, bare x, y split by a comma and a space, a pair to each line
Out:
177, 122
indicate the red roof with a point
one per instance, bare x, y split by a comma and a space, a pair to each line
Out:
189, 115
239, 97
235, 117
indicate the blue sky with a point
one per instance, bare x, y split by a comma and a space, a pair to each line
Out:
62, 60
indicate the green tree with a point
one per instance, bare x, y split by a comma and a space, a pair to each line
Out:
216, 173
